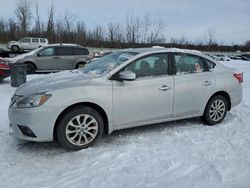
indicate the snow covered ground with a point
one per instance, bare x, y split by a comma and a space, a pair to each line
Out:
176, 154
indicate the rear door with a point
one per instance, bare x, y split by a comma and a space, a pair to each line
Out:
64, 57
34, 43
193, 84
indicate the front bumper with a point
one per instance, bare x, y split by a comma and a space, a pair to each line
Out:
40, 120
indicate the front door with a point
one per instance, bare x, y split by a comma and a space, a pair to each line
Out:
149, 97
45, 59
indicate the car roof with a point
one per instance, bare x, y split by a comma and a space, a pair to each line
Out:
155, 50
63, 44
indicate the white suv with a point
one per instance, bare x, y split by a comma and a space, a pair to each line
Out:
27, 43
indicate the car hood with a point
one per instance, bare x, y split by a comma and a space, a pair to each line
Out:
25, 55
54, 81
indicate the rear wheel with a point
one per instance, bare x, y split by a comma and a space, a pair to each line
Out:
30, 68
15, 48
216, 110
79, 128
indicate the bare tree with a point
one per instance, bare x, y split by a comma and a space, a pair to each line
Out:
23, 14
81, 33
156, 31
147, 24
37, 27
115, 33
211, 34
50, 23
132, 29
12, 27
69, 19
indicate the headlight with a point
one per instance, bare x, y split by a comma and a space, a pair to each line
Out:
31, 101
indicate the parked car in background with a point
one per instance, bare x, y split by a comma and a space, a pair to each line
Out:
244, 57
124, 89
4, 53
56, 57
27, 43
4, 69
221, 57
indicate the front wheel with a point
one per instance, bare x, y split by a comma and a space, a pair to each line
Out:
30, 68
79, 128
216, 110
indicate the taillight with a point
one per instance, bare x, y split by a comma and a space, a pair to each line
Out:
239, 77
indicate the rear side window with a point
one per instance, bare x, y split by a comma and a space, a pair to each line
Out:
187, 63
42, 40
35, 40
63, 51
209, 63
80, 51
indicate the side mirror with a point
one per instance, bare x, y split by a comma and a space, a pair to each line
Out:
38, 54
127, 75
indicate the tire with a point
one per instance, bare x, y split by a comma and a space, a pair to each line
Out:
216, 110
79, 128
31, 69
79, 65
15, 48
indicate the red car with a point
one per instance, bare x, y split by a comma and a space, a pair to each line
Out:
4, 71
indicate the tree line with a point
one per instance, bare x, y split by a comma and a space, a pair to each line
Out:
134, 32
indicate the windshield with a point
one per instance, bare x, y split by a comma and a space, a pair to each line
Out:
106, 63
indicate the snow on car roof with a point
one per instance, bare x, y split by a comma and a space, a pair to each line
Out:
147, 50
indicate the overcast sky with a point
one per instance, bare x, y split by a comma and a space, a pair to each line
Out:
183, 18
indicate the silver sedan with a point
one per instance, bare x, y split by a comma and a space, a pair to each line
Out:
124, 89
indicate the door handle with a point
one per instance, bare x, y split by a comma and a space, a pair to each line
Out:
206, 83
56, 58
164, 88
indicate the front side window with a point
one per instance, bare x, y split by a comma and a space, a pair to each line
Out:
47, 52
25, 40
187, 64
152, 65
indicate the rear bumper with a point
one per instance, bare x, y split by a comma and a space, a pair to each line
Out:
236, 97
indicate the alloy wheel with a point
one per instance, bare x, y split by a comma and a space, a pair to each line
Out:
217, 110
81, 129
